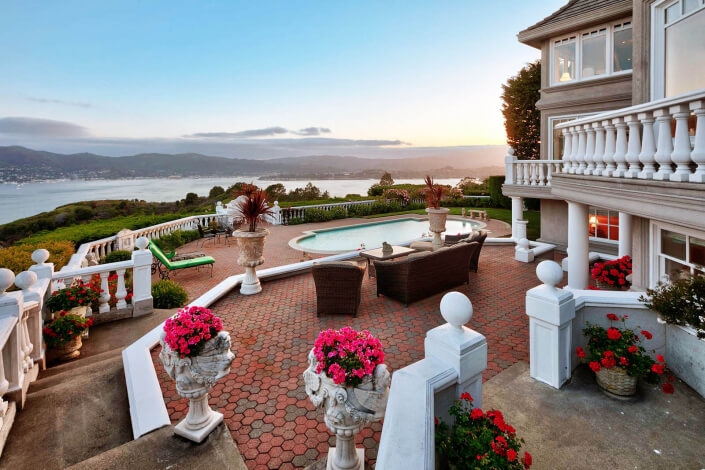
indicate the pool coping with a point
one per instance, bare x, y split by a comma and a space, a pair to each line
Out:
293, 243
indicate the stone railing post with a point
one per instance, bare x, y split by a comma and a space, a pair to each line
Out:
459, 346
551, 312
276, 214
125, 240
12, 305
509, 164
142, 303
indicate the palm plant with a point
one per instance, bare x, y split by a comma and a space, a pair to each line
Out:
434, 193
254, 206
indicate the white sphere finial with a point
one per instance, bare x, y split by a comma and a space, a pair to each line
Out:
523, 243
25, 279
142, 243
40, 256
549, 272
456, 309
7, 277
510, 151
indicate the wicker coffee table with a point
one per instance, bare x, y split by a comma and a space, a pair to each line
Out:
377, 254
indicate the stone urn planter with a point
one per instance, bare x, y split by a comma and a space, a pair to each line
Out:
195, 376
251, 245
347, 410
437, 221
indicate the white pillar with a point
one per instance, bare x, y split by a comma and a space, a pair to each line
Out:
578, 245
551, 312
517, 214
142, 302
625, 234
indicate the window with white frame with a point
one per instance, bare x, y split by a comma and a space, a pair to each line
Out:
678, 47
603, 224
592, 53
679, 253
556, 138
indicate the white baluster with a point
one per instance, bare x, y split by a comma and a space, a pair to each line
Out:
580, 155
104, 299
664, 146
26, 344
589, 149
121, 292
610, 145
698, 155
633, 147
620, 152
597, 157
527, 180
648, 147
549, 174
681, 145
532, 174
4, 385
567, 140
573, 150
542, 176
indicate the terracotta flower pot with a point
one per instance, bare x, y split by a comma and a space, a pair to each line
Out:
67, 351
616, 381
251, 246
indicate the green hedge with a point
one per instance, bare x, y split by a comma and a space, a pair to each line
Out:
19, 258
168, 294
497, 199
176, 239
116, 256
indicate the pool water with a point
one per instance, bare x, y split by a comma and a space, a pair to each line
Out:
372, 235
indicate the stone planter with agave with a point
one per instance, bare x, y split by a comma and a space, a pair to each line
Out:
437, 215
250, 239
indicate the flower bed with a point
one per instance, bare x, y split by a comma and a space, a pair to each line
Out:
347, 355
189, 329
478, 440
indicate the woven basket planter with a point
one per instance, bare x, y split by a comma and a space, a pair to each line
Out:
604, 286
616, 381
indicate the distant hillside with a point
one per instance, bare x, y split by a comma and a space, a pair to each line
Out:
22, 164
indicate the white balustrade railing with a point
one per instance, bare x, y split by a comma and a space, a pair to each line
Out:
637, 142
288, 213
530, 172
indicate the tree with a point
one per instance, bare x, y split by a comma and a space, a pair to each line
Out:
191, 198
386, 179
276, 192
521, 118
216, 191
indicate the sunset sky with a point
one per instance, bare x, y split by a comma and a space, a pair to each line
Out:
258, 78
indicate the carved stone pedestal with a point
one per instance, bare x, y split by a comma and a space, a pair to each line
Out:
251, 245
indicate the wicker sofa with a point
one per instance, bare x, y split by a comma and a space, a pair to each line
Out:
479, 238
338, 287
423, 274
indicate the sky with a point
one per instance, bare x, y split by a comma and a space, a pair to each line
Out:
259, 79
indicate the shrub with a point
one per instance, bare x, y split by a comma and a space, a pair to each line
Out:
18, 258
317, 215
295, 221
188, 330
168, 294
375, 190
680, 302
496, 197
216, 191
479, 439
64, 328
399, 195
338, 212
359, 210
116, 256
176, 239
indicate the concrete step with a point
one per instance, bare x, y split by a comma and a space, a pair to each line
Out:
58, 375
82, 415
76, 364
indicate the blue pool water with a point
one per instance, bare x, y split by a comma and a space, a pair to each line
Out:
372, 235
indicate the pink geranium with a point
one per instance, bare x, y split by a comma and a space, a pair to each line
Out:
188, 330
347, 355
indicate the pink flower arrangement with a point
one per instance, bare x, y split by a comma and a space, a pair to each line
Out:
188, 330
347, 355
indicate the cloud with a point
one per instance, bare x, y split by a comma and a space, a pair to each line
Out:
78, 104
266, 132
308, 131
35, 127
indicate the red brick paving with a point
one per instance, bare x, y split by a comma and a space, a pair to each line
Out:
263, 398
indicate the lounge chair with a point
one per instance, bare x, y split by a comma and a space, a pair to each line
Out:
165, 265
423, 274
338, 287
175, 256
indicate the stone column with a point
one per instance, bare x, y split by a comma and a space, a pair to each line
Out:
578, 245
551, 312
12, 305
517, 214
625, 234
142, 303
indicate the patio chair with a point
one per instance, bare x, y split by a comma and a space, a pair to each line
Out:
338, 287
478, 237
166, 266
205, 235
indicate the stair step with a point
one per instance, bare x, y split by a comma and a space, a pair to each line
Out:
79, 363
89, 366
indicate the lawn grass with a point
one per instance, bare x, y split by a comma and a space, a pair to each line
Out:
505, 215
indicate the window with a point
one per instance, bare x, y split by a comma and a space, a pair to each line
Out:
592, 53
678, 47
555, 137
603, 224
680, 253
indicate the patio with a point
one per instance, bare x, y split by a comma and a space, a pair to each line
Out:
263, 399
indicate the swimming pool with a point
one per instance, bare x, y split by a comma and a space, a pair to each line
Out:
394, 232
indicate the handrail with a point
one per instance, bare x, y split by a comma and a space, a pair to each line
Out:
90, 270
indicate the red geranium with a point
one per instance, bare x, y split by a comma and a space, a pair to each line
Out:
646, 334
667, 388
613, 334
580, 352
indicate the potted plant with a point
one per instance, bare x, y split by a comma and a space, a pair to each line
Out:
478, 440
250, 238
347, 376
63, 335
612, 275
617, 357
437, 215
680, 302
196, 354
74, 299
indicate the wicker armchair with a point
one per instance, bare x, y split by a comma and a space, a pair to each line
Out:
478, 238
424, 274
338, 287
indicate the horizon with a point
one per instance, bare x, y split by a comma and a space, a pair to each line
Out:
260, 81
